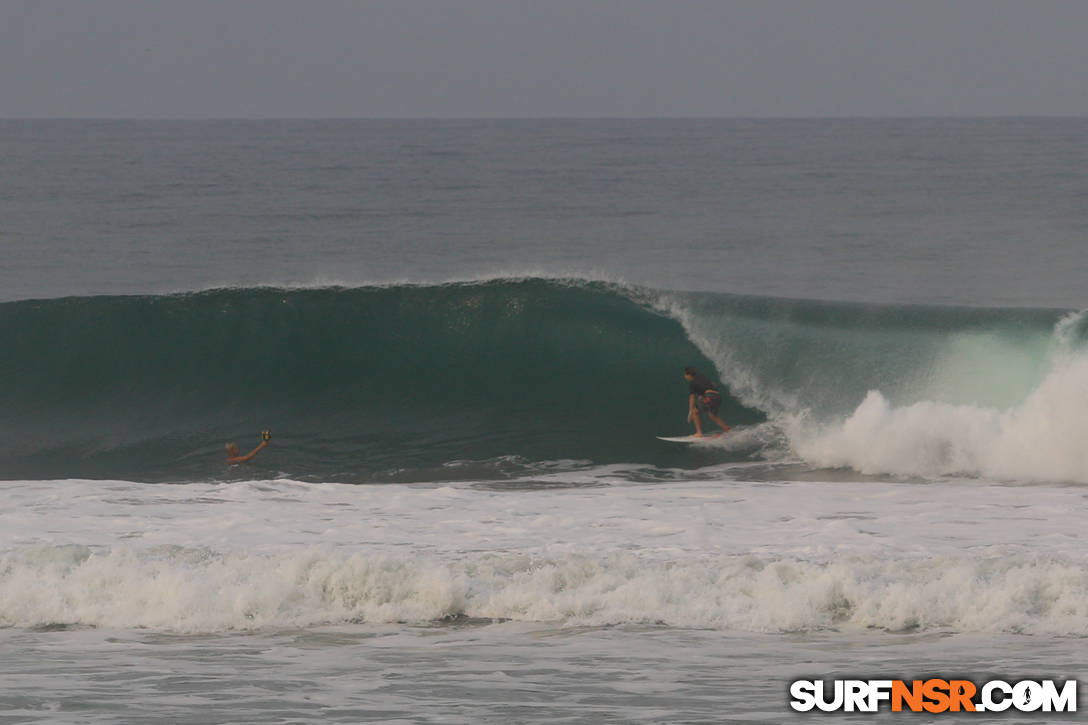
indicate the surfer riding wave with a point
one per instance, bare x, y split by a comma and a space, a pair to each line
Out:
704, 397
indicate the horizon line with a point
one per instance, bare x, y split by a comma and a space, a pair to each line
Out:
854, 117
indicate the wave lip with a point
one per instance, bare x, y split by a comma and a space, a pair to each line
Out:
199, 590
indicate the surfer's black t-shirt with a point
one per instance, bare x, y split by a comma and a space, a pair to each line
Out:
699, 385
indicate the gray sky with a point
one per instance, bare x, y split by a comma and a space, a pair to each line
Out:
541, 58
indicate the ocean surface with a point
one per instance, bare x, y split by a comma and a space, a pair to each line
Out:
465, 337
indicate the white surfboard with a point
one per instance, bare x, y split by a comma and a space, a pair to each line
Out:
691, 439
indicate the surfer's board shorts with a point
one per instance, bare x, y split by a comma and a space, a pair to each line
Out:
709, 402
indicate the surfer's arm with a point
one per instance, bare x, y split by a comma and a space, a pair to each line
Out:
243, 459
691, 406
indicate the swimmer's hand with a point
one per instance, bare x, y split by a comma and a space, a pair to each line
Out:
266, 435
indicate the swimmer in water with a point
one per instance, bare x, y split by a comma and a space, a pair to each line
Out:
234, 455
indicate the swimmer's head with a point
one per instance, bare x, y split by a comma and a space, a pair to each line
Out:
232, 449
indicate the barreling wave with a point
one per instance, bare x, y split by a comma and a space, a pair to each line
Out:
200, 590
353, 382
386, 383
907, 390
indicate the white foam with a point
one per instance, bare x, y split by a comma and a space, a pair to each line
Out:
197, 590
724, 552
577, 511
1041, 439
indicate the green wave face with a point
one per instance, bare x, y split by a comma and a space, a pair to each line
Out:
439, 382
354, 383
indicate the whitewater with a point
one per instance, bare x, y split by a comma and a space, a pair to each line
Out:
557, 550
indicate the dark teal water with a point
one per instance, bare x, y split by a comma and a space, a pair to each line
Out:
399, 382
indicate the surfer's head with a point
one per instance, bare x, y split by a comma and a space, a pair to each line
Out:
232, 449
689, 372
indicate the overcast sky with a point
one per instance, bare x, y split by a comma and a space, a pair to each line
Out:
541, 58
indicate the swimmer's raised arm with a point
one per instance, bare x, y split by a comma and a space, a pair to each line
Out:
234, 455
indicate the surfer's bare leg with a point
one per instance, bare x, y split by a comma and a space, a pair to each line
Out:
719, 421
698, 423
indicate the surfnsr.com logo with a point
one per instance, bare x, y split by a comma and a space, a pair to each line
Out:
933, 696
